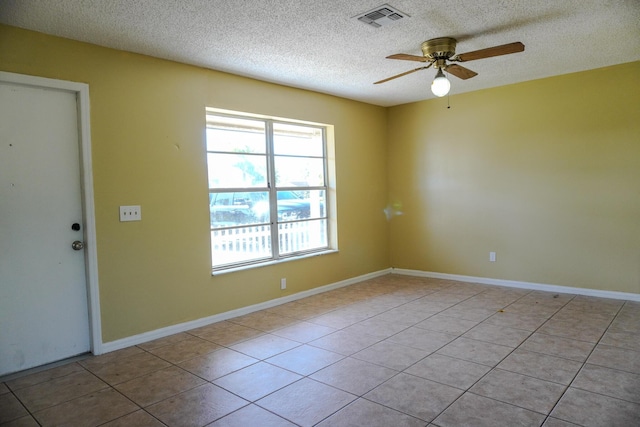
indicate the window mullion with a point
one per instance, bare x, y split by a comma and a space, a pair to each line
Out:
273, 194
327, 199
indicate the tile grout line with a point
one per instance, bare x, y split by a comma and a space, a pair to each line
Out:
389, 291
583, 365
347, 356
112, 387
307, 376
433, 352
32, 413
29, 412
495, 367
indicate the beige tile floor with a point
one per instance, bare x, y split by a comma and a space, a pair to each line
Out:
391, 351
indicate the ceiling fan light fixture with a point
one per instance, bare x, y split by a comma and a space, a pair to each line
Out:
441, 85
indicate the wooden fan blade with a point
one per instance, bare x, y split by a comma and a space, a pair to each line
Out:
504, 49
460, 72
407, 57
402, 74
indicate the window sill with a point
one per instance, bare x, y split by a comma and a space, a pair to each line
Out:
271, 262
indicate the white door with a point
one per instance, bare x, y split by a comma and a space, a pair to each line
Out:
43, 291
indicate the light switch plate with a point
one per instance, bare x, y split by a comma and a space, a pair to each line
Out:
130, 213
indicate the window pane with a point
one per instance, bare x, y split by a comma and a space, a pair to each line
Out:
240, 244
236, 170
233, 209
302, 236
299, 171
235, 135
297, 140
296, 205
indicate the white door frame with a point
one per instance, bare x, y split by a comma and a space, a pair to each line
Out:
81, 90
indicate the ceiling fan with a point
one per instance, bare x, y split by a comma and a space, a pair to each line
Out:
440, 50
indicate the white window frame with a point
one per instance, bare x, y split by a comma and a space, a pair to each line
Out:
329, 189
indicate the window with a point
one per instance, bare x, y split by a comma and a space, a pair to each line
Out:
268, 189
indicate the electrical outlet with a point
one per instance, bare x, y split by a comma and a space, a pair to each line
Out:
492, 256
130, 213
283, 283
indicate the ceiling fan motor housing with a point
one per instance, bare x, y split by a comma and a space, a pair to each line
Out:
439, 49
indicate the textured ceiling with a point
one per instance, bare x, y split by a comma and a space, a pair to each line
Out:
321, 46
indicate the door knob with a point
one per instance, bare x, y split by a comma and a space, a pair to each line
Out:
77, 245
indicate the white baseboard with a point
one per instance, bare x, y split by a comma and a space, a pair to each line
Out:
522, 285
182, 327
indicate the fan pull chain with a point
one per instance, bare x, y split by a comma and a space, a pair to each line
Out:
448, 97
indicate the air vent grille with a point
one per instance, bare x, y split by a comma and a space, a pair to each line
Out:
380, 16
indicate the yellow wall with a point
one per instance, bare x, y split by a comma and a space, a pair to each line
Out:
147, 129
545, 173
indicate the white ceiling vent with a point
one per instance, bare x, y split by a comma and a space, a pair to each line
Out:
381, 15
